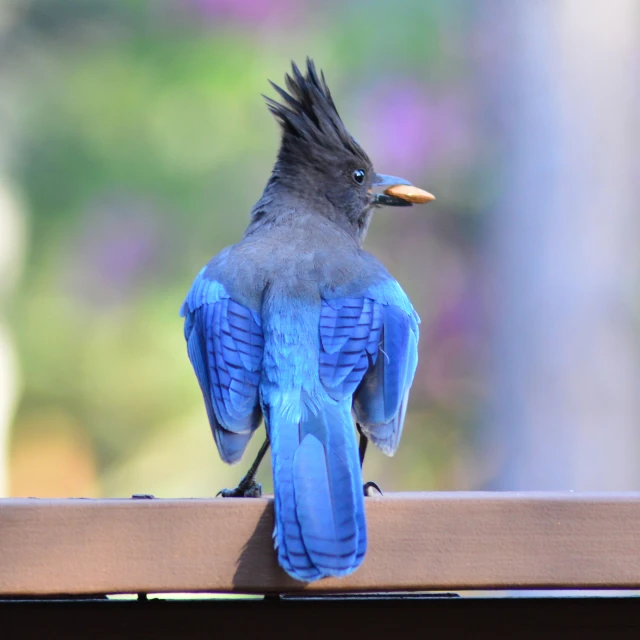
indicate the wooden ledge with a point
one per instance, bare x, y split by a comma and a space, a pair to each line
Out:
422, 541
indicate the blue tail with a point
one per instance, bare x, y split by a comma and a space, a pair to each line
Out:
319, 503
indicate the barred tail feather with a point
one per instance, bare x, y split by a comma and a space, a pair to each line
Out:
320, 524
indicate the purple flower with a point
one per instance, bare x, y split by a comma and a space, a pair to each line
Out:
117, 248
408, 132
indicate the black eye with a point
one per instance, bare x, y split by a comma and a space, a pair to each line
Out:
358, 176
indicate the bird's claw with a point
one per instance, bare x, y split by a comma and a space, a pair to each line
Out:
371, 489
251, 489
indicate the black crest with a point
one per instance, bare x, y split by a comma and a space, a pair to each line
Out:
308, 115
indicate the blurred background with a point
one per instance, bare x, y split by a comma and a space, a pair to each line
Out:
134, 141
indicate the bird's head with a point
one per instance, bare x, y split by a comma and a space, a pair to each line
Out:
319, 162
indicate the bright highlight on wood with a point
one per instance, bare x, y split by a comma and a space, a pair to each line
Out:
410, 193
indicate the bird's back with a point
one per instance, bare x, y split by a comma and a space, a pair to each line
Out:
302, 255
288, 322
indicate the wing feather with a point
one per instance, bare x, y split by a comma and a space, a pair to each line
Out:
225, 345
369, 350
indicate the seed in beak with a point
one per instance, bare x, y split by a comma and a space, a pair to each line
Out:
410, 193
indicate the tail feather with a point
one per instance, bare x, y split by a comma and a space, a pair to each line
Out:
292, 554
320, 525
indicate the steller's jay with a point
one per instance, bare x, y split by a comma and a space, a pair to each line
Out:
298, 325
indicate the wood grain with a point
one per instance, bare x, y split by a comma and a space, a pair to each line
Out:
425, 541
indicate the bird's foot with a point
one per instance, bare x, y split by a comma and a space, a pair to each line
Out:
371, 489
248, 488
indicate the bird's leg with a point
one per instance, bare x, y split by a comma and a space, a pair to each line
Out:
248, 487
362, 447
369, 488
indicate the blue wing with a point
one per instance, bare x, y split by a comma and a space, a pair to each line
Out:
225, 345
369, 349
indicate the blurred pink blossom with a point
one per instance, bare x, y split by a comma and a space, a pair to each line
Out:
408, 131
117, 249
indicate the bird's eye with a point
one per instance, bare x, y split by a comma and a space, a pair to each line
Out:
358, 176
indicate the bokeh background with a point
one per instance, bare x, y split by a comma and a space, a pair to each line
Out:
134, 141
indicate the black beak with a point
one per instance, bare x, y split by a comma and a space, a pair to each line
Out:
382, 199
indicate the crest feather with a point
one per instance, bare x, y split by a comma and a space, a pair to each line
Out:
307, 113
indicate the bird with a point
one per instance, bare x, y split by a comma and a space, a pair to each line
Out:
298, 326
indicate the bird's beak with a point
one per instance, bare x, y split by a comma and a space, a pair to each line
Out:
399, 192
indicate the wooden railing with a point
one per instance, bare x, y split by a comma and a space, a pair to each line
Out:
417, 543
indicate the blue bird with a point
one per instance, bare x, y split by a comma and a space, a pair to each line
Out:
296, 324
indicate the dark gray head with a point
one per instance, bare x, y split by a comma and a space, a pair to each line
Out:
319, 163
